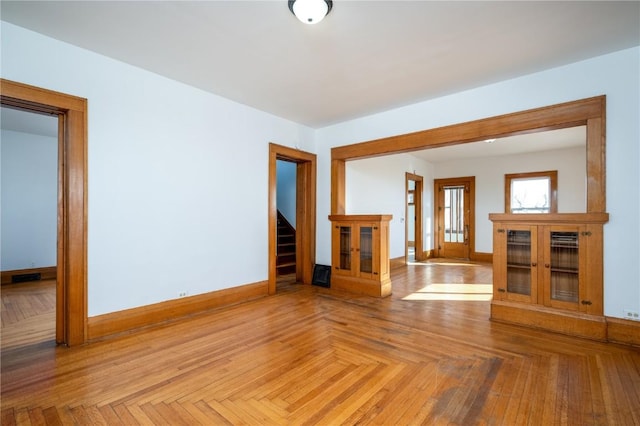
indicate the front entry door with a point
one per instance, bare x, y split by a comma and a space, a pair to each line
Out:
454, 217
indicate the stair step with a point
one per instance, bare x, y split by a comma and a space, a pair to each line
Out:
286, 247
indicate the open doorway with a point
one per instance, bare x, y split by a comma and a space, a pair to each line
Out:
304, 217
29, 196
414, 248
71, 251
286, 195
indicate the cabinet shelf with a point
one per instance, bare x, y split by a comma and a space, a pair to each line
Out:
564, 246
565, 271
519, 265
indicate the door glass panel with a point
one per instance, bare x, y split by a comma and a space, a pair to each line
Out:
454, 214
345, 247
366, 252
564, 266
519, 262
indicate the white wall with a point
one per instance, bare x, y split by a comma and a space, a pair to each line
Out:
490, 171
166, 163
614, 75
29, 200
377, 186
162, 155
286, 190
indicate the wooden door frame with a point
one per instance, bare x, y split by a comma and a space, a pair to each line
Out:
471, 180
305, 212
71, 264
418, 231
590, 112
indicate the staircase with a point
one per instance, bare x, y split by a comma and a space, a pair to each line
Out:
286, 250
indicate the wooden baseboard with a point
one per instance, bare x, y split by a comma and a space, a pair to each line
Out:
428, 254
109, 324
535, 316
46, 273
482, 257
396, 262
623, 331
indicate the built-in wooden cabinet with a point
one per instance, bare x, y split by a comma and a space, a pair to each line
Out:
360, 254
548, 273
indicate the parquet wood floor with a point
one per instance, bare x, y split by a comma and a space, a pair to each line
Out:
426, 355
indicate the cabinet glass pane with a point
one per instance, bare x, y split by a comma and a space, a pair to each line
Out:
564, 266
366, 249
345, 247
519, 262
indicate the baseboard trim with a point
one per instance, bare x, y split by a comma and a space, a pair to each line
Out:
46, 273
102, 326
623, 331
428, 254
397, 262
482, 257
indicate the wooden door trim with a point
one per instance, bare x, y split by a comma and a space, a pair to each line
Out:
71, 287
590, 112
419, 243
305, 212
471, 180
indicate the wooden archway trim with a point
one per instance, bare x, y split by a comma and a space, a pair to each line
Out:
590, 112
418, 231
71, 289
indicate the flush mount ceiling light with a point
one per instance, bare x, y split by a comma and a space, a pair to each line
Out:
310, 11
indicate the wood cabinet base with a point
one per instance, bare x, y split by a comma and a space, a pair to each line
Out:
623, 331
540, 317
360, 286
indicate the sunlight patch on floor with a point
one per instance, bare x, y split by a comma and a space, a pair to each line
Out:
463, 292
432, 263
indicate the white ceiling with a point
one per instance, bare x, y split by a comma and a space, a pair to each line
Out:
365, 57
532, 142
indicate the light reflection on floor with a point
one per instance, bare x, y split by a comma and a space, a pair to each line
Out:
432, 263
463, 292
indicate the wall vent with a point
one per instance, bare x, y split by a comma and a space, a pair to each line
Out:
321, 276
22, 278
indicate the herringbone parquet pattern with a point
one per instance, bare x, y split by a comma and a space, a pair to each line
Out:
426, 355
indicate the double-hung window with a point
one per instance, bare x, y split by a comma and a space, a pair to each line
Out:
534, 192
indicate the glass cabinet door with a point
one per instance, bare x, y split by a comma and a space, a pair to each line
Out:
564, 266
519, 277
366, 249
345, 247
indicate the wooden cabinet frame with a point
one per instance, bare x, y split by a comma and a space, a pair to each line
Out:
375, 280
582, 317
